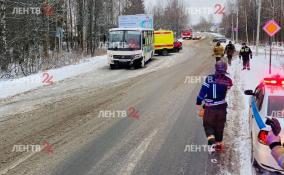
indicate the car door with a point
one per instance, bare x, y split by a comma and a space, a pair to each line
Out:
259, 97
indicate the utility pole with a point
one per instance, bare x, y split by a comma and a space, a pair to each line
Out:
119, 7
258, 26
233, 32
270, 54
237, 27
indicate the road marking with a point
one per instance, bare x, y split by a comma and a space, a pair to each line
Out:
136, 155
18, 162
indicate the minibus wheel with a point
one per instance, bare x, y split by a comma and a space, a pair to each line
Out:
112, 66
165, 52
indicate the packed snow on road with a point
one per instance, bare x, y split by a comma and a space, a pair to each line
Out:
141, 87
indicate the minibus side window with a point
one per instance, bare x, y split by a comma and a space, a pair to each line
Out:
144, 38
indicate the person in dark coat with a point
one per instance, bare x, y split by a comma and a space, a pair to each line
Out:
246, 55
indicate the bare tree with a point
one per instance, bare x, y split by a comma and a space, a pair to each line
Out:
247, 10
133, 7
173, 16
3, 40
43, 34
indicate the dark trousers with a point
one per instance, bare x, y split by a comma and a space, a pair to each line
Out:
214, 122
218, 59
246, 63
230, 57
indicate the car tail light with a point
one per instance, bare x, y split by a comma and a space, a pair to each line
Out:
270, 81
275, 81
262, 136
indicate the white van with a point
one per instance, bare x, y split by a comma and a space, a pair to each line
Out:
133, 42
130, 46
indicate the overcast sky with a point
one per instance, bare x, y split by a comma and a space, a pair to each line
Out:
197, 8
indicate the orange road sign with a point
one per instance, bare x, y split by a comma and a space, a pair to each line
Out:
271, 27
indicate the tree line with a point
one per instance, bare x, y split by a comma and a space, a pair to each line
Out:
43, 34
245, 13
173, 15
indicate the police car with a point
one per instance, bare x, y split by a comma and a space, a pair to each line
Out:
266, 101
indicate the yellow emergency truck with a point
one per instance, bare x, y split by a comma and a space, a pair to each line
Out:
163, 42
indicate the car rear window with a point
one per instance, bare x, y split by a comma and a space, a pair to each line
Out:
276, 106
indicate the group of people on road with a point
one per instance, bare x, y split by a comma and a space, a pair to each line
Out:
212, 106
245, 53
211, 100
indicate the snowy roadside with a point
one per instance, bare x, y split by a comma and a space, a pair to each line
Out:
237, 134
16, 86
236, 159
96, 67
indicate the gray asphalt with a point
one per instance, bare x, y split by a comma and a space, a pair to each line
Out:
155, 143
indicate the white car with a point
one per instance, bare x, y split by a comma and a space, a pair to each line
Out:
267, 101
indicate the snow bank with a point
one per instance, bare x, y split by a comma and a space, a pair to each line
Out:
10, 88
237, 124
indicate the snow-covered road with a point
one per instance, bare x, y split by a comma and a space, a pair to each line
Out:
66, 112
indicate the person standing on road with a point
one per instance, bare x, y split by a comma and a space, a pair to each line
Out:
246, 54
230, 51
213, 93
218, 51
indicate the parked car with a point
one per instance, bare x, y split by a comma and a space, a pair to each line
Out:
196, 36
267, 100
220, 39
177, 46
131, 44
163, 42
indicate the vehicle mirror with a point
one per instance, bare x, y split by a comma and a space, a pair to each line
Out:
249, 92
